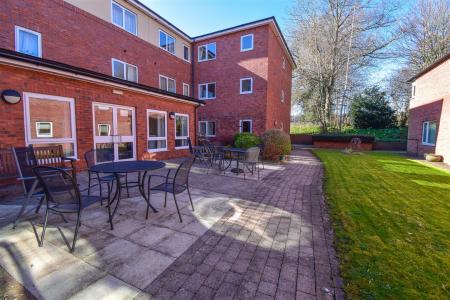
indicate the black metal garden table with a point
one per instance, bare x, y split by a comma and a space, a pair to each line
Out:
236, 154
124, 167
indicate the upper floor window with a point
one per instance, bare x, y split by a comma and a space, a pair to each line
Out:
124, 18
186, 55
28, 41
207, 52
207, 90
166, 42
207, 128
186, 89
429, 133
125, 71
167, 84
246, 86
247, 42
282, 96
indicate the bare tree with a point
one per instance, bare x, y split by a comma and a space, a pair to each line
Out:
330, 37
426, 33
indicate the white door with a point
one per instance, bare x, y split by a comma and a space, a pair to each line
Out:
114, 128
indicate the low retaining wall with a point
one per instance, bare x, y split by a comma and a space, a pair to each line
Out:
301, 139
390, 146
340, 145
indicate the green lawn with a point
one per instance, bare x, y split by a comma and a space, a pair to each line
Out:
391, 218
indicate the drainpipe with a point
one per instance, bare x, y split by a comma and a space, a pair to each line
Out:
193, 92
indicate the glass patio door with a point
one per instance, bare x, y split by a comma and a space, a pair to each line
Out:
114, 128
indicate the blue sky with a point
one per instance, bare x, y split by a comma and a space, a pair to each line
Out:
196, 17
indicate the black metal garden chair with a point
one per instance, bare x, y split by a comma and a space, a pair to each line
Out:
174, 185
62, 197
94, 157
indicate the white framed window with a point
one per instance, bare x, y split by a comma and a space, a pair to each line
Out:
283, 64
156, 130
166, 42
123, 18
104, 129
181, 131
28, 41
207, 90
124, 70
44, 129
167, 84
429, 133
186, 89
207, 52
207, 128
50, 120
186, 53
246, 85
282, 96
246, 126
413, 90
247, 42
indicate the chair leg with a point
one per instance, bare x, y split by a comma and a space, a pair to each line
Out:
257, 167
178, 209
40, 204
165, 199
75, 236
190, 198
89, 184
41, 242
126, 184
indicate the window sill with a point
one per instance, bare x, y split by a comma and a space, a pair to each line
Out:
156, 150
182, 148
207, 98
427, 144
203, 60
246, 50
246, 93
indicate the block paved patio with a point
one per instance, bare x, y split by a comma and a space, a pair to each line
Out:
246, 239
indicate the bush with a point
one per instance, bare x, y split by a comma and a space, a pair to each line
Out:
276, 143
246, 140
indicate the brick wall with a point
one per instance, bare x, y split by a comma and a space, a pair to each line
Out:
84, 93
226, 70
431, 102
278, 113
73, 36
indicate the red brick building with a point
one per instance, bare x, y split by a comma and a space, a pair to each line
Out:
429, 112
96, 74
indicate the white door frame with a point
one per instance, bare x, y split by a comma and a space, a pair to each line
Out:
115, 140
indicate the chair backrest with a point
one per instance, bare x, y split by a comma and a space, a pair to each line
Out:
50, 156
252, 155
59, 187
182, 175
25, 162
8, 167
96, 156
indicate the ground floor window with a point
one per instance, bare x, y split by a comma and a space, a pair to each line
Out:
429, 133
50, 120
207, 128
181, 131
157, 130
246, 126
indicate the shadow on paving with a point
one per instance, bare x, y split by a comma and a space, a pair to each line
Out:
245, 239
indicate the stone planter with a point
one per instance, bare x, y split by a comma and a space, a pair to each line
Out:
433, 157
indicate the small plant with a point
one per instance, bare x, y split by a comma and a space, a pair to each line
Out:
246, 140
277, 143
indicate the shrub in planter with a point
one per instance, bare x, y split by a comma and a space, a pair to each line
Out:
277, 143
246, 140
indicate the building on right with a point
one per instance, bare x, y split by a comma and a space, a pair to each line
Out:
429, 110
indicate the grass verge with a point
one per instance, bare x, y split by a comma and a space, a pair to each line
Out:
391, 218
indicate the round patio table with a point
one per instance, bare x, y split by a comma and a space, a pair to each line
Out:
235, 154
121, 167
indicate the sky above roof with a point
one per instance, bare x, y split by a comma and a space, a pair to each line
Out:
197, 17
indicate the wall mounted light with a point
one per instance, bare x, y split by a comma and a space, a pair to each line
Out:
11, 96
172, 115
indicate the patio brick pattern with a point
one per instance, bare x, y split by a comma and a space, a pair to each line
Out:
279, 246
